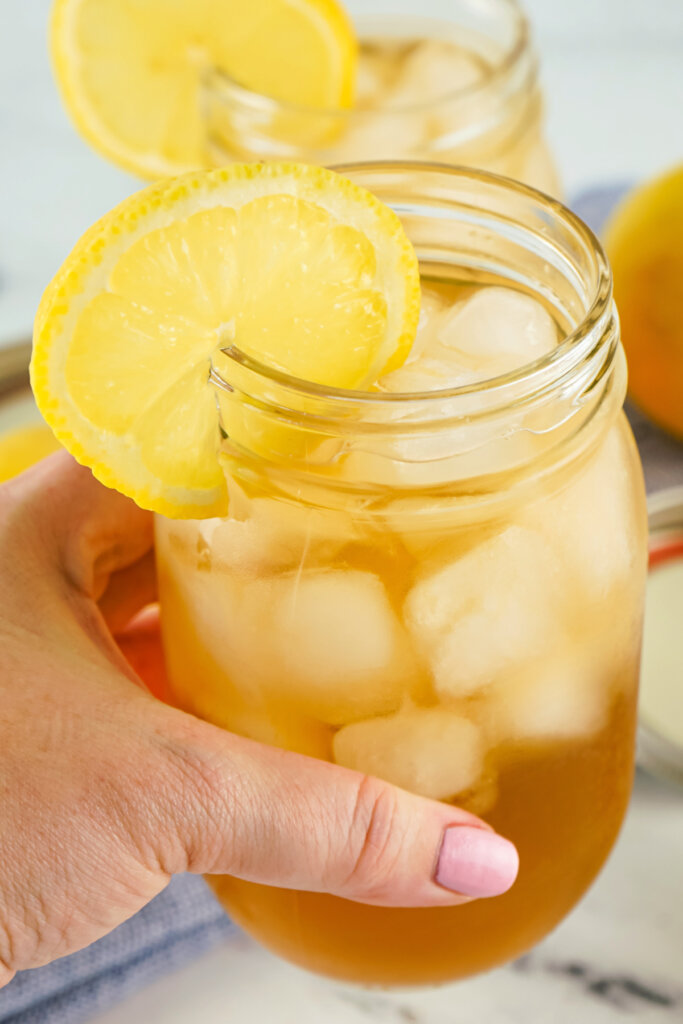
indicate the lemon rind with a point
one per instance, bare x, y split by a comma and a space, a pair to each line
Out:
154, 207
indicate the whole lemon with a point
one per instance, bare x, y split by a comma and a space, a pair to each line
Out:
644, 241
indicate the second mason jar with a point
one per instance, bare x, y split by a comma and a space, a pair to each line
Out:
460, 88
443, 589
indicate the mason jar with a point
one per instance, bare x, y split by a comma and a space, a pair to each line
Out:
442, 589
458, 87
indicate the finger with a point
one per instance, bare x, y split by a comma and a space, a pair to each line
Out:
236, 807
91, 530
128, 591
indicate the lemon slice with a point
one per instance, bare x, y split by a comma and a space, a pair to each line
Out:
294, 265
130, 72
643, 241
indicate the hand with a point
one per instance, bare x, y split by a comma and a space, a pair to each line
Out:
107, 791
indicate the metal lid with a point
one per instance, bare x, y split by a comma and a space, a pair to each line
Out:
660, 732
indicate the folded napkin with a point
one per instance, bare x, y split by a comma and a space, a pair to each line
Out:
185, 920
595, 204
177, 926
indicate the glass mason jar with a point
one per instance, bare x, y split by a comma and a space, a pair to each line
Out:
444, 589
459, 88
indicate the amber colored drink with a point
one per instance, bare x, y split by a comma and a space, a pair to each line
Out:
546, 799
485, 656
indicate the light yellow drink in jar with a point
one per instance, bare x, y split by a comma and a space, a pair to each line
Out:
482, 655
303, 80
458, 88
421, 97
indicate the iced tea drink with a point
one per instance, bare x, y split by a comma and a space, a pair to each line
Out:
438, 582
463, 91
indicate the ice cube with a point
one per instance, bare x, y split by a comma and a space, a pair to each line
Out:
481, 798
427, 373
597, 521
213, 620
267, 535
321, 639
378, 135
564, 697
372, 79
496, 607
430, 751
464, 448
276, 725
428, 529
430, 366
338, 649
423, 457
326, 643
219, 682
497, 330
432, 307
494, 331
432, 71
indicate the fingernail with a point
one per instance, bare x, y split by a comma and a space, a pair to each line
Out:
476, 862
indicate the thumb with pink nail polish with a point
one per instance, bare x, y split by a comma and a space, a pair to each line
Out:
476, 862
150, 791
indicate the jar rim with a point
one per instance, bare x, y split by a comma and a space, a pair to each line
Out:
215, 80
530, 381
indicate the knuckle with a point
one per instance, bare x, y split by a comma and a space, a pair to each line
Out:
193, 800
161, 796
376, 838
193, 772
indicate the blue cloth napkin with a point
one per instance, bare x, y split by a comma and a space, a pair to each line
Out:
594, 204
178, 925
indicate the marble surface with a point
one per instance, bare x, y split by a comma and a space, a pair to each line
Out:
613, 76
617, 958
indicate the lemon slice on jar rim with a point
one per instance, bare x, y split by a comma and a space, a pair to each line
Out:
313, 274
130, 73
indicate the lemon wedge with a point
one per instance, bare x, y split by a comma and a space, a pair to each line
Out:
130, 73
294, 265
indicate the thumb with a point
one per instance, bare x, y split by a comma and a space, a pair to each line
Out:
229, 805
